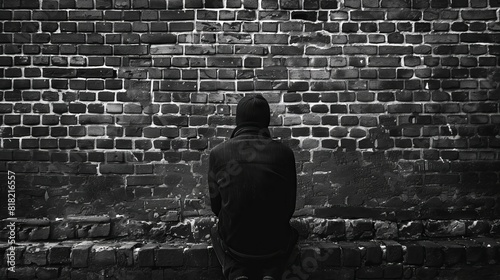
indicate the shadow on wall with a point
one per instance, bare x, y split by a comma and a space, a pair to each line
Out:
344, 180
367, 184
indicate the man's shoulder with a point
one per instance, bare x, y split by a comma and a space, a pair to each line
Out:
281, 146
218, 147
232, 143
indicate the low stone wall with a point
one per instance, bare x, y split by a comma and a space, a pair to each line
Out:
198, 229
101, 247
463, 258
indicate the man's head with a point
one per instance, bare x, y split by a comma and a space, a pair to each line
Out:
253, 110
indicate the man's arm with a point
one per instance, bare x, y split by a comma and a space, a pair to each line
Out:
213, 188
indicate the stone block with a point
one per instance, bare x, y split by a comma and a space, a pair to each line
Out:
36, 254
167, 255
351, 254
394, 251
475, 253
386, 230
125, 254
371, 252
60, 254
445, 228
103, 255
414, 254
331, 228
434, 256
359, 229
393, 271
453, 253
411, 230
197, 256
369, 272
22, 273
145, 255
80, 254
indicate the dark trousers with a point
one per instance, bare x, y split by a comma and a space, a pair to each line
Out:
237, 267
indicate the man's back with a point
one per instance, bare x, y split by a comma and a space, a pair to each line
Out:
253, 187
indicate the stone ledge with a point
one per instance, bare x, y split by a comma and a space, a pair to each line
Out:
197, 229
424, 259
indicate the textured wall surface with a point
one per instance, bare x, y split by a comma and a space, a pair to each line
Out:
110, 107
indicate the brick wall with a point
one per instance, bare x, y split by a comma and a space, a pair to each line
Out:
109, 109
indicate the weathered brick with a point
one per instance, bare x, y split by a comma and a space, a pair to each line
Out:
103, 255
96, 73
483, 15
146, 255
402, 14
384, 61
414, 254
351, 255
50, 15
68, 38
441, 39
395, 4
178, 86
36, 255
94, 50
116, 168
59, 254
367, 15
169, 256
130, 50
80, 254
271, 38
125, 254
197, 256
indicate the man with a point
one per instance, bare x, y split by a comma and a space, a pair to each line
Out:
253, 183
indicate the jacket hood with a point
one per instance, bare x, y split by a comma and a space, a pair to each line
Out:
253, 110
251, 128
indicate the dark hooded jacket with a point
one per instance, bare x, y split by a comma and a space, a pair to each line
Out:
252, 184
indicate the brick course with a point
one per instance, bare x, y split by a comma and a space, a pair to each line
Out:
134, 260
388, 105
